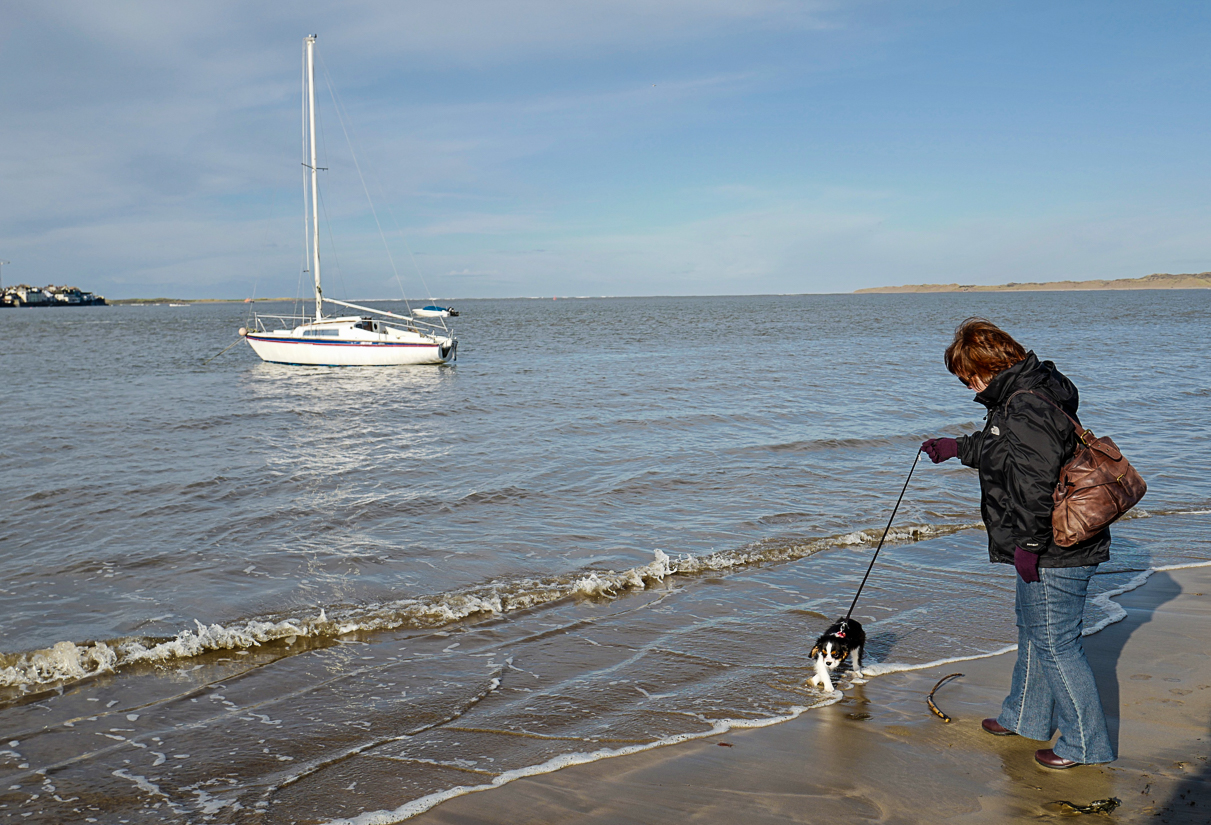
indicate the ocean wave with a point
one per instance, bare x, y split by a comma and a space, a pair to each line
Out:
70, 661
846, 444
1140, 512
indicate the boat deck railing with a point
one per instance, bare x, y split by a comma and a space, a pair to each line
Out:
402, 322
416, 324
288, 321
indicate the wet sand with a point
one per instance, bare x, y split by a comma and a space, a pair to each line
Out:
881, 756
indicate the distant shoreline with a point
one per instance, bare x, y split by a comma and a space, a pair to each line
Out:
1201, 280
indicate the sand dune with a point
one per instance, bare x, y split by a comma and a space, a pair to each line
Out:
1201, 280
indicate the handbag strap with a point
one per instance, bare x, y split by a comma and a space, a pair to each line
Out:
1081, 432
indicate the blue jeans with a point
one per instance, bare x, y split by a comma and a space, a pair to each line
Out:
1052, 687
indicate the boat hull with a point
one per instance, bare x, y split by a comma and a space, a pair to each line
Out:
281, 350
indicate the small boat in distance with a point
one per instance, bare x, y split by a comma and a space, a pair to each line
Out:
348, 340
433, 311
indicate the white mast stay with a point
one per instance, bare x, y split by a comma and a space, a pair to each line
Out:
315, 198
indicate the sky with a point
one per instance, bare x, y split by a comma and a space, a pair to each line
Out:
622, 147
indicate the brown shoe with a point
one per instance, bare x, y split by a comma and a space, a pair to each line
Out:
1048, 759
996, 728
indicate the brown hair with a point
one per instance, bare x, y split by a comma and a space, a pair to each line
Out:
981, 349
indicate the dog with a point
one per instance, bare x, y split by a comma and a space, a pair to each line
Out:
844, 637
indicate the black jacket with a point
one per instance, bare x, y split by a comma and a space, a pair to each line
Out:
1019, 454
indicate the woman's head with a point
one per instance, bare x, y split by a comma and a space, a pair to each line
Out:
980, 350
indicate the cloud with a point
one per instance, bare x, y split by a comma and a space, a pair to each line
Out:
136, 119
188, 38
483, 224
559, 147
487, 31
831, 246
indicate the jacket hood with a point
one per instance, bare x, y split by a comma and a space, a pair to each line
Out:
1031, 374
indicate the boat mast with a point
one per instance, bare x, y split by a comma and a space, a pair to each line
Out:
315, 190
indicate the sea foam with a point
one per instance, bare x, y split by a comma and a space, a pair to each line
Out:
70, 661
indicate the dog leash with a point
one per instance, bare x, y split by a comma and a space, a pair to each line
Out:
885, 532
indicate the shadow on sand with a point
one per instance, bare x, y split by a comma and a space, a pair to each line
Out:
1190, 801
1105, 648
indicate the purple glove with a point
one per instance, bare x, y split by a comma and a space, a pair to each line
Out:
1027, 564
940, 449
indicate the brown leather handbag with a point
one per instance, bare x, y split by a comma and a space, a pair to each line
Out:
1096, 486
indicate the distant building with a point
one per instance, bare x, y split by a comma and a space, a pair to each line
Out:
24, 295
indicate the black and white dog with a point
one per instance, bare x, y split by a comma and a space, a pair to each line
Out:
844, 637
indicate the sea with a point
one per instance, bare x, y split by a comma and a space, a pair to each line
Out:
241, 592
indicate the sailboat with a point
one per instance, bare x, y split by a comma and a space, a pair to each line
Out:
375, 338
434, 311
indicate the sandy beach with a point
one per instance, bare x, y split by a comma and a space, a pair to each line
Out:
881, 756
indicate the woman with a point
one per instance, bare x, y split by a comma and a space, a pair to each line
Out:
1019, 453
